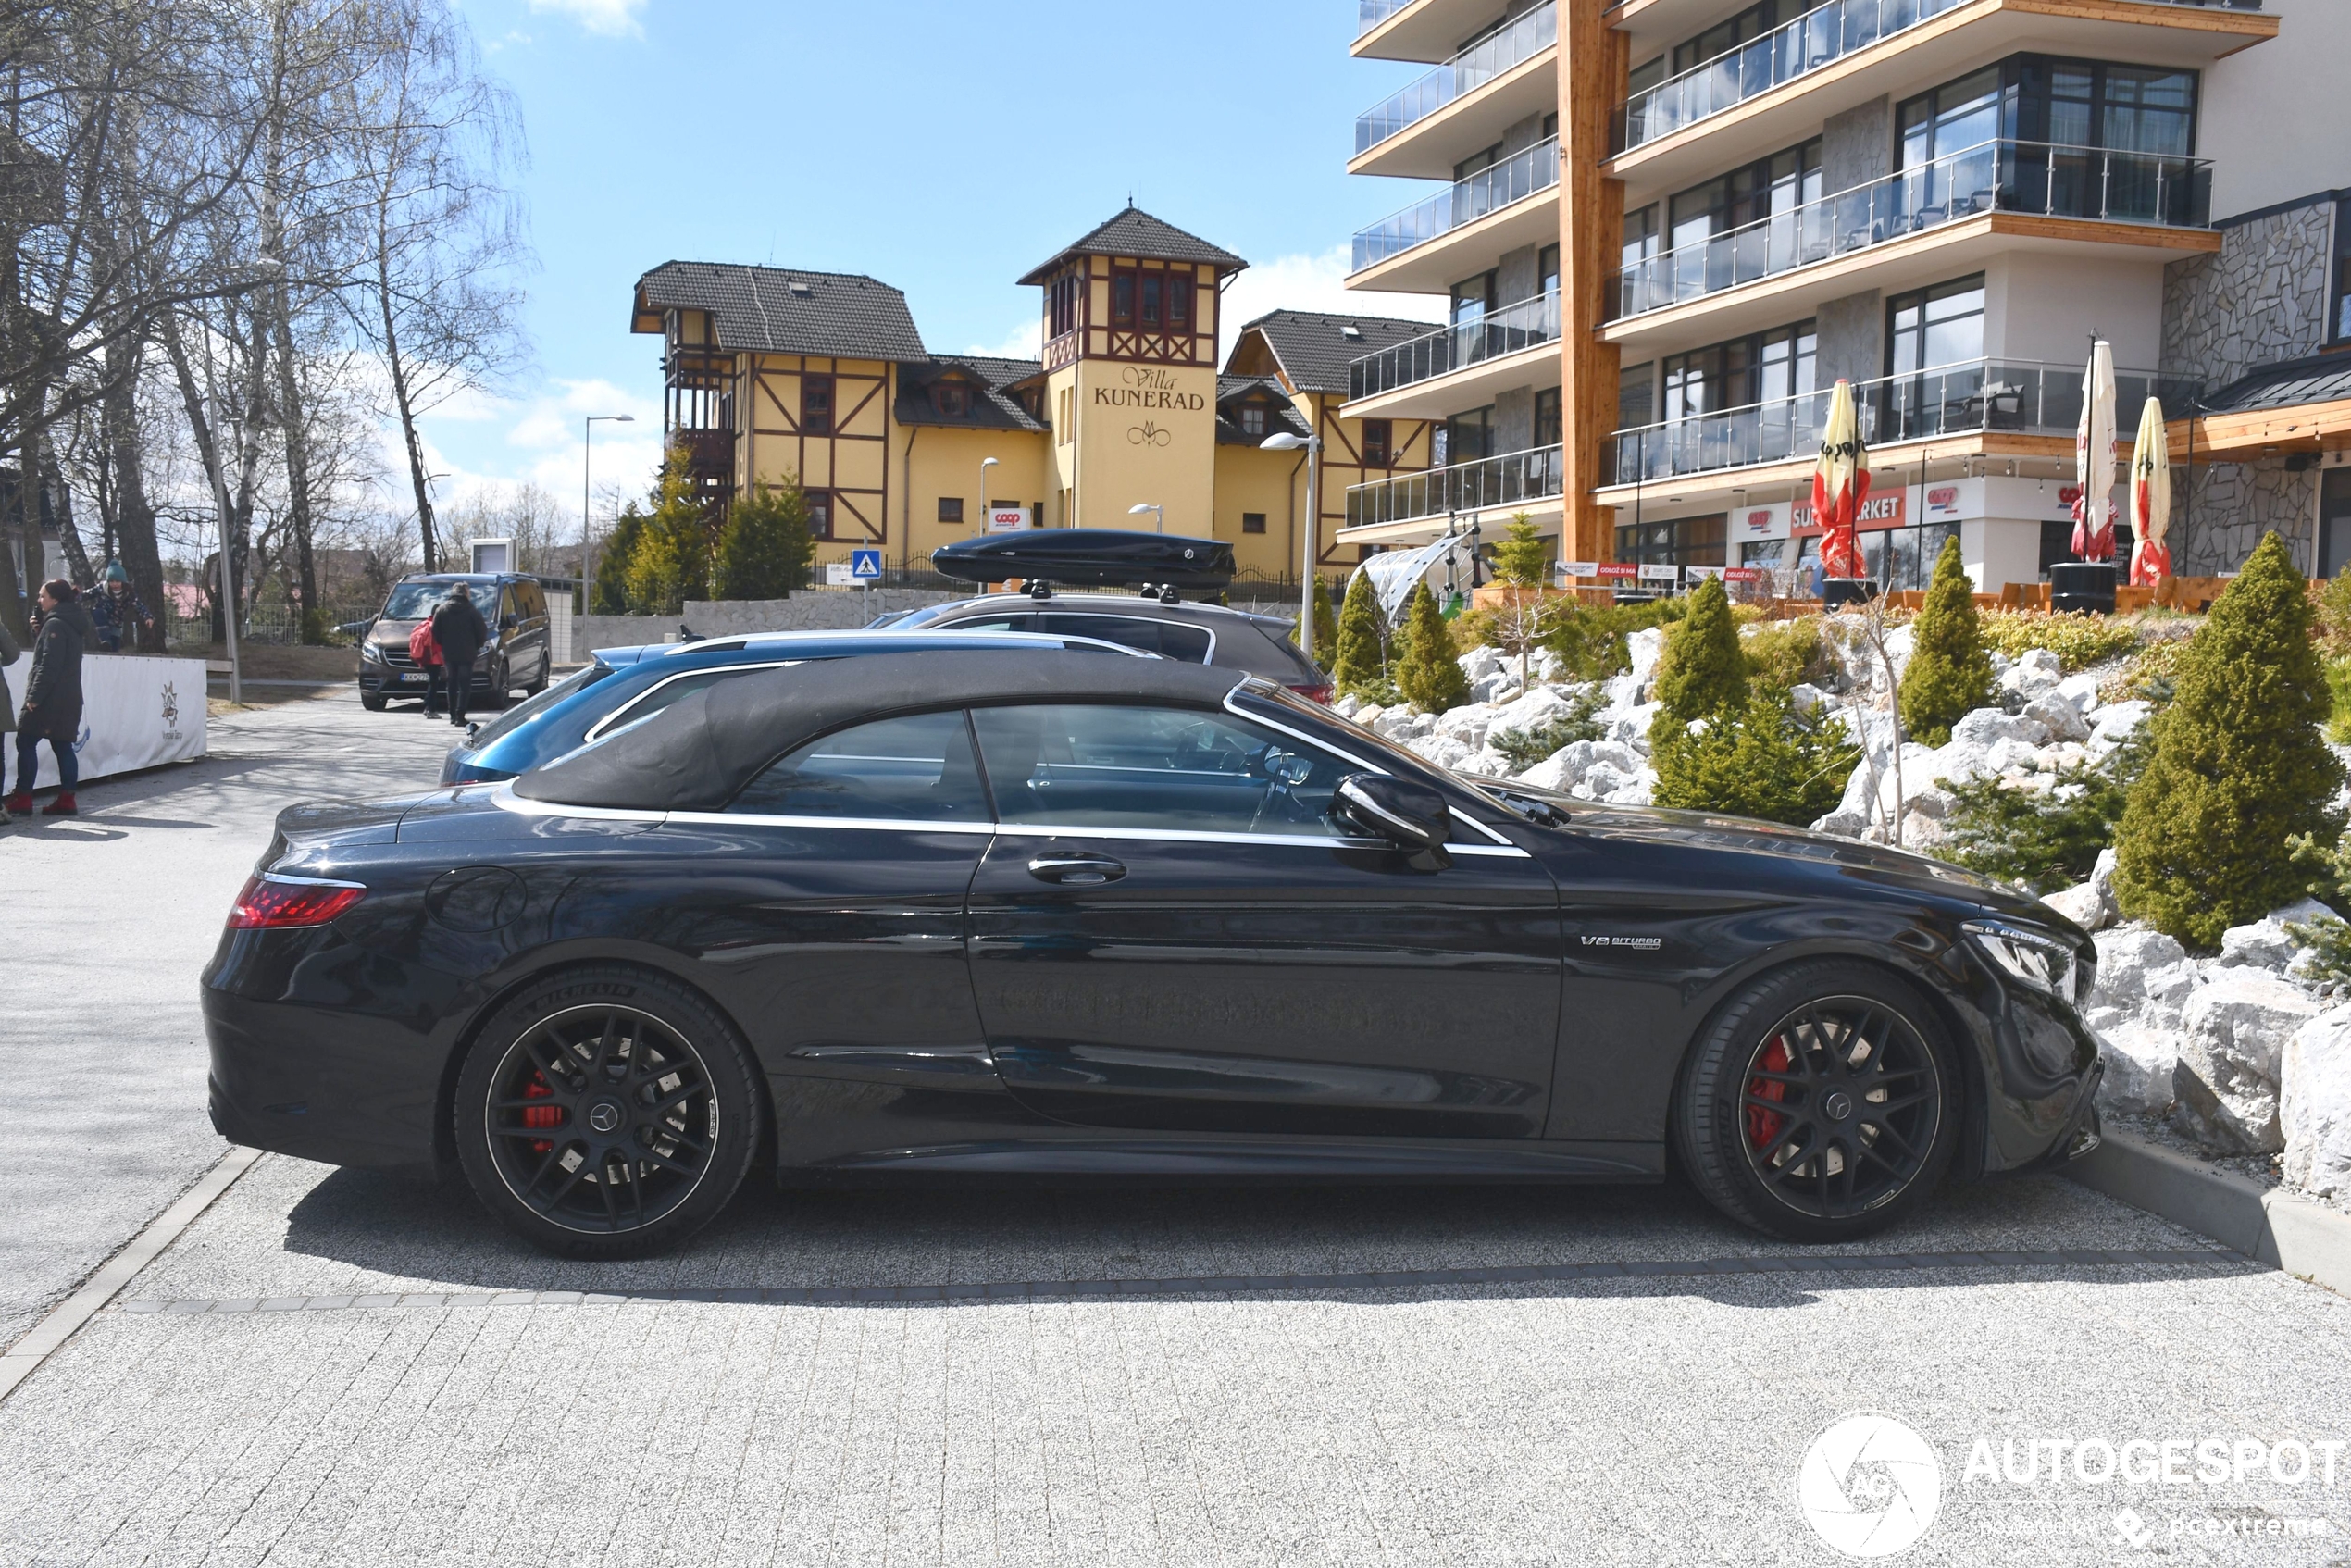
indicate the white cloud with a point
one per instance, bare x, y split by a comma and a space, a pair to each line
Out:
541, 442
1313, 282
613, 18
1025, 342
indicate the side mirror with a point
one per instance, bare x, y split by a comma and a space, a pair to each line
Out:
1411, 817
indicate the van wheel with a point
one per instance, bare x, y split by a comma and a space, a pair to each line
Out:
372, 701
606, 1113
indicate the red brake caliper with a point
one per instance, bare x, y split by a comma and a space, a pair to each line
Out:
1762, 1125
541, 1116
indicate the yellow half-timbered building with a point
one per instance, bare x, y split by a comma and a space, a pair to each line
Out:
1123, 421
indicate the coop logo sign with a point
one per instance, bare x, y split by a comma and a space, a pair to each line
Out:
1869, 1487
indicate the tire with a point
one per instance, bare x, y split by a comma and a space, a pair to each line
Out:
1822, 1103
372, 701
539, 685
650, 1102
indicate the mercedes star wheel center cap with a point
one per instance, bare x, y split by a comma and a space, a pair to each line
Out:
604, 1116
1838, 1105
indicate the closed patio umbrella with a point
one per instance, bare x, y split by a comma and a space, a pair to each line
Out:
2151, 498
1840, 484
2094, 459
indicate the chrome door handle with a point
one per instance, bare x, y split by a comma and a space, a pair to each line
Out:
1084, 870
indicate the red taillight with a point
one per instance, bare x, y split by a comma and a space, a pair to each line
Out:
270, 905
1315, 693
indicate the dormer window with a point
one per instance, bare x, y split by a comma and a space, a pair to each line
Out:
1252, 418
952, 399
1351, 332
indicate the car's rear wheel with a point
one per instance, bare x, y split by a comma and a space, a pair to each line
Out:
606, 1113
1822, 1103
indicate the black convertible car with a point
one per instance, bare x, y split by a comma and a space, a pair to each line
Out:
1050, 912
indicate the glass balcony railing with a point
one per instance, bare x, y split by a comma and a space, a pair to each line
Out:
1465, 72
1509, 480
2024, 177
1523, 325
2025, 397
1368, 14
1820, 37
1514, 178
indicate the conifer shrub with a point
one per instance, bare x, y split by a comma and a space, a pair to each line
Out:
764, 550
613, 562
1360, 661
1539, 742
1427, 673
1789, 654
1325, 650
2078, 641
1703, 670
2240, 768
2048, 840
1949, 675
1759, 758
1523, 556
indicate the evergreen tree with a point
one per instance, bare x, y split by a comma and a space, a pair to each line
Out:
1325, 652
1703, 670
1949, 675
613, 562
2241, 765
671, 560
1524, 558
1760, 758
1428, 673
765, 549
1359, 653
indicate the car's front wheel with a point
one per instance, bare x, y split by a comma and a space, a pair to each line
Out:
606, 1113
1821, 1105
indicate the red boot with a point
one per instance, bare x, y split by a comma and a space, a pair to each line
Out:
62, 806
21, 803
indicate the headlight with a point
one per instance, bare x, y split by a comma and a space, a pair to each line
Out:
2041, 961
371, 650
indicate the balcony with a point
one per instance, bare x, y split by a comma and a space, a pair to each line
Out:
1811, 42
1488, 345
1486, 195
1978, 397
1958, 196
1429, 30
1368, 14
1497, 81
1518, 480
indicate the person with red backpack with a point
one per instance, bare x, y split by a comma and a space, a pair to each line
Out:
425, 650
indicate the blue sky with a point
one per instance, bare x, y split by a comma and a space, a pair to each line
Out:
943, 148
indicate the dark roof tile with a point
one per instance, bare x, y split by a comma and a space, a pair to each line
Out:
1135, 232
1312, 347
776, 310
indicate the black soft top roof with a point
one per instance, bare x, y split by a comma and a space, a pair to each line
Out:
696, 754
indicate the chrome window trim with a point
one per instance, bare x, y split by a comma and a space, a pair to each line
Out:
619, 715
1071, 831
292, 880
503, 796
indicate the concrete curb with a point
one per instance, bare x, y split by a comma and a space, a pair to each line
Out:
2292, 1234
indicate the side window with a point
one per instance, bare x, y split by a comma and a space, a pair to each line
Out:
1169, 640
985, 623
1172, 769
668, 691
913, 769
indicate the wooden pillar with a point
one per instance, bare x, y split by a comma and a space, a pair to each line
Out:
1593, 75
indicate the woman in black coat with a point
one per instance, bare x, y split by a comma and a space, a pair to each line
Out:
51, 710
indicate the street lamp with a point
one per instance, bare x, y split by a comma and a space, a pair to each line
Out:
1286, 440
587, 561
1159, 515
985, 464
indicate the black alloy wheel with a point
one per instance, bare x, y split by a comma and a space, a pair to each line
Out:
606, 1114
1821, 1105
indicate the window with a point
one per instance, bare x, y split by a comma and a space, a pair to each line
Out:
1902, 560
1377, 451
2343, 272
1470, 436
1252, 418
1935, 327
1748, 26
1478, 162
1644, 77
1548, 426
1154, 285
816, 406
2335, 521
1252, 522
1061, 299
913, 769
1637, 396
1777, 185
1641, 238
671, 690
950, 508
1765, 367
2067, 104
1547, 270
1122, 299
820, 513
1179, 303
1155, 769
952, 399
1472, 297
1169, 640
1682, 541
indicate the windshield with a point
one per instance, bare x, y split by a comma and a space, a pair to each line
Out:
415, 601
514, 718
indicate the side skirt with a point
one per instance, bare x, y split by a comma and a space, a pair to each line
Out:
1264, 1159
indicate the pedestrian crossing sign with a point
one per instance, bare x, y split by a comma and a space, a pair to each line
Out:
865, 565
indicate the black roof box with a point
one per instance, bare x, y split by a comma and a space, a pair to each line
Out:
1101, 557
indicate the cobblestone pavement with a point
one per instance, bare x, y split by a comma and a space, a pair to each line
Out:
107, 920
333, 1367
